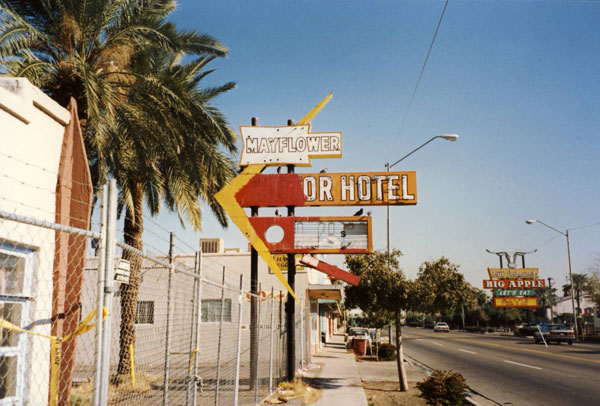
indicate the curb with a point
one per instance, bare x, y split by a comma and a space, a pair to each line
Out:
474, 398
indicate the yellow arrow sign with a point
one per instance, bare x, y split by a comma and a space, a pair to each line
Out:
226, 198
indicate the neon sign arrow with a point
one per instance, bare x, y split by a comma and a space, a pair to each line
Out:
226, 198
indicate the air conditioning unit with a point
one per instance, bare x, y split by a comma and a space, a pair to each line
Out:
211, 245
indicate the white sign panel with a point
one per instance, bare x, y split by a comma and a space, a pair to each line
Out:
123, 271
293, 145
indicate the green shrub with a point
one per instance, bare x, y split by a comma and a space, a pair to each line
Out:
387, 352
444, 388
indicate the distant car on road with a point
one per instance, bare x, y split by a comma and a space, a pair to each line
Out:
441, 326
555, 332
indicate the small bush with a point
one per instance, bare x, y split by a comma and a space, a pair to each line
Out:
444, 388
387, 352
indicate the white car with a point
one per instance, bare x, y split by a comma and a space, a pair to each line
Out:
441, 326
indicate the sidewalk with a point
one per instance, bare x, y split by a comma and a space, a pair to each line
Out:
340, 377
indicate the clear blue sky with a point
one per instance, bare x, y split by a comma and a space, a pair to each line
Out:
518, 80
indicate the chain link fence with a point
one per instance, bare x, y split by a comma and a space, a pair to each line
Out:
179, 333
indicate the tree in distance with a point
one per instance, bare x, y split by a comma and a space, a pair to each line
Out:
383, 290
441, 287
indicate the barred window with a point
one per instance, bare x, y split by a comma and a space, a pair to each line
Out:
211, 310
16, 275
145, 312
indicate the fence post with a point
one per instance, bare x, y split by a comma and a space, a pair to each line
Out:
194, 345
236, 390
100, 296
257, 346
280, 340
271, 344
198, 324
109, 263
220, 339
169, 322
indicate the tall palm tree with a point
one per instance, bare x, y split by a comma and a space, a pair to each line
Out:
83, 49
145, 120
167, 147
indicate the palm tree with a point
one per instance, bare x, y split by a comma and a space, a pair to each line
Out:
167, 150
84, 49
580, 282
547, 298
146, 121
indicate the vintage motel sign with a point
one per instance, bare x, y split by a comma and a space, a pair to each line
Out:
330, 270
320, 235
226, 198
513, 273
514, 283
293, 145
524, 302
329, 189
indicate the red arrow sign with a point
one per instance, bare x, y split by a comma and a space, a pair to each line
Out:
330, 189
331, 270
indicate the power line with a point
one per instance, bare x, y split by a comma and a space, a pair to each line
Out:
412, 97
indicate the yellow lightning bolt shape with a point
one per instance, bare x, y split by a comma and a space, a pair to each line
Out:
226, 198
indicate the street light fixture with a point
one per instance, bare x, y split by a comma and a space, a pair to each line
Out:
447, 137
566, 234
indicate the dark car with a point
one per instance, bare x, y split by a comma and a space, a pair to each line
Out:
555, 332
527, 329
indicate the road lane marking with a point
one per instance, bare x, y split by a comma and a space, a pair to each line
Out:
534, 351
438, 344
523, 365
470, 352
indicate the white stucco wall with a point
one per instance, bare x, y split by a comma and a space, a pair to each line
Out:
31, 133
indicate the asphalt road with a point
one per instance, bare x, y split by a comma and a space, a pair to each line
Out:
512, 370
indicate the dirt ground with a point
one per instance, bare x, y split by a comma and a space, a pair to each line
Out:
388, 394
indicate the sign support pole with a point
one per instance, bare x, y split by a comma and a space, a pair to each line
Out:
290, 305
253, 302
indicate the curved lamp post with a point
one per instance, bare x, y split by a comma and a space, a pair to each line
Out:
388, 166
566, 234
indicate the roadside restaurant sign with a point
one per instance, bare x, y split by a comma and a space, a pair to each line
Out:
513, 273
516, 302
514, 292
514, 284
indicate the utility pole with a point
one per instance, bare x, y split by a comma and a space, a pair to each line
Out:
551, 294
253, 302
290, 305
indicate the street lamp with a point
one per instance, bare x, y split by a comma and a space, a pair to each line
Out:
447, 137
566, 234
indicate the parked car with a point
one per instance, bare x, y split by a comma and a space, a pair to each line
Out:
441, 326
555, 332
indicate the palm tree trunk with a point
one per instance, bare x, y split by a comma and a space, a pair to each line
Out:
400, 354
133, 229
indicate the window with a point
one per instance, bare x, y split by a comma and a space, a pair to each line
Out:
145, 312
211, 310
16, 273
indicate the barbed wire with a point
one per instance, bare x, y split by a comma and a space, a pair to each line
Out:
53, 213
50, 171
